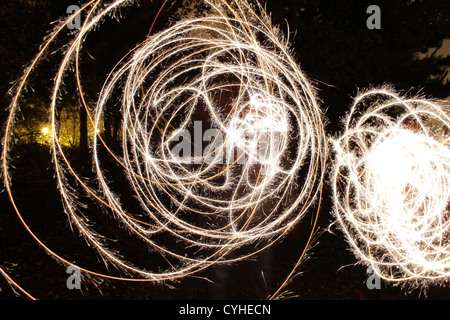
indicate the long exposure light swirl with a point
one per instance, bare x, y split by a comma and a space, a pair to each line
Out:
391, 184
245, 190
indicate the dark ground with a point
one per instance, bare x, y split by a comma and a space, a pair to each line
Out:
329, 273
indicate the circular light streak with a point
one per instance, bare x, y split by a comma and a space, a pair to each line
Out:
391, 186
230, 71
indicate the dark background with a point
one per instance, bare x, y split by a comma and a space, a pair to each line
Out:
334, 48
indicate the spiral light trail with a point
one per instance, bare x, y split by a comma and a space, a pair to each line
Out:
236, 185
391, 184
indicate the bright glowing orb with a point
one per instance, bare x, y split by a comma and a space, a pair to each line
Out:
45, 130
391, 185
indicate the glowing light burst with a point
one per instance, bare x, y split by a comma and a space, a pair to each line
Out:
391, 184
233, 71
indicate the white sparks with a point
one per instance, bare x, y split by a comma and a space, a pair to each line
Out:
391, 186
231, 71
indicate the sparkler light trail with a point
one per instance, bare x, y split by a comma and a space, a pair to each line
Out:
261, 172
391, 184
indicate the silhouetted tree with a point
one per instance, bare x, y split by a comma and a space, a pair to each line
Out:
331, 41
335, 47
